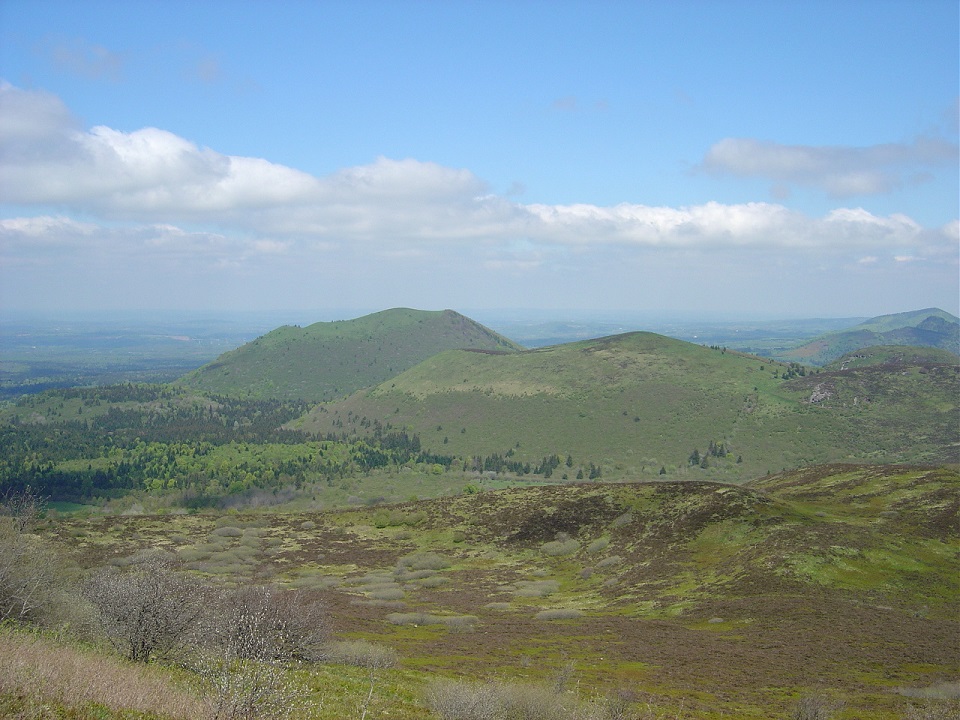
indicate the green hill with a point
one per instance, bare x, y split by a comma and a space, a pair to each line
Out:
333, 359
893, 355
637, 403
928, 328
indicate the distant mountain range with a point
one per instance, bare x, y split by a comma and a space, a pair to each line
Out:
925, 328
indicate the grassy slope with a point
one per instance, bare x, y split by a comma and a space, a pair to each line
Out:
893, 355
329, 360
931, 327
635, 403
728, 600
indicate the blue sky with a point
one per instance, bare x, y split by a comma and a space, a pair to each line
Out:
750, 159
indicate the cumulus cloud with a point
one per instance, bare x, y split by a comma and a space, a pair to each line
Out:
840, 171
46, 240
145, 186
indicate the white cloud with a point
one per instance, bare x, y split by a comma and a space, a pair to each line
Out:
838, 170
158, 198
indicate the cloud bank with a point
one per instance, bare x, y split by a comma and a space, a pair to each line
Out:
160, 201
841, 172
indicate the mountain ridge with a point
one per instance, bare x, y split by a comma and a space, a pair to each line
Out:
930, 327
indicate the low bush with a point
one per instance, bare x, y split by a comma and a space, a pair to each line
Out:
813, 707
460, 623
536, 588
557, 548
386, 593
559, 614
149, 610
404, 575
598, 545
251, 690
434, 581
374, 579
227, 531
33, 580
413, 618
610, 561
935, 710
451, 622
264, 623
360, 653
423, 561
497, 700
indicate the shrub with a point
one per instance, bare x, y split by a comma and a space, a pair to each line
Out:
387, 593
264, 623
374, 579
598, 545
414, 618
610, 561
433, 582
464, 701
404, 575
31, 579
559, 614
935, 710
459, 700
536, 588
250, 689
460, 623
360, 653
813, 707
423, 561
190, 554
556, 548
451, 622
227, 531
148, 610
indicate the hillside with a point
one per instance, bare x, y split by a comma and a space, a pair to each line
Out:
333, 359
639, 403
927, 328
893, 355
720, 600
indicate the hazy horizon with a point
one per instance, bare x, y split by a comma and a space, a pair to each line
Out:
735, 160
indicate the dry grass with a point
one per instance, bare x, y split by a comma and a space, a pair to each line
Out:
40, 672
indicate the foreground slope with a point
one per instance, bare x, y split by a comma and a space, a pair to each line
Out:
643, 405
727, 601
926, 328
332, 359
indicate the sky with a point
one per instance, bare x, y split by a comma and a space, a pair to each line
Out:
723, 158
